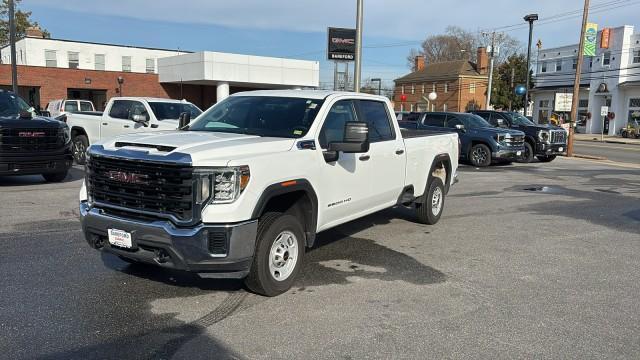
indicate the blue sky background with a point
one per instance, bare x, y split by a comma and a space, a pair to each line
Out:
297, 28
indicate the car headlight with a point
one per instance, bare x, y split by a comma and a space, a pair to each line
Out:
222, 186
500, 138
65, 134
543, 135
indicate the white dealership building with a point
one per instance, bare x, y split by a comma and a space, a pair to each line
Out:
610, 79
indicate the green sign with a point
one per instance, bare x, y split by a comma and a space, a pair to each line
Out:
590, 39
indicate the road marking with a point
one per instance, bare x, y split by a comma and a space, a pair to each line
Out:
605, 162
609, 147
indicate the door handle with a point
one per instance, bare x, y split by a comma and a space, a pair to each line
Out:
364, 157
399, 152
154, 126
126, 126
105, 124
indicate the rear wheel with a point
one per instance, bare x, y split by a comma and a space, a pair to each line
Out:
480, 155
527, 154
625, 134
55, 177
79, 149
548, 158
279, 253
430, 210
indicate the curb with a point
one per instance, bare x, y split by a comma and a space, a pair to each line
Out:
590, 157
609, 141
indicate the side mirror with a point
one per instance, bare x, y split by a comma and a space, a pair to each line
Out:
140, 119
26, 115
356, 140
45, 113
500, 122
184, 120
460, 128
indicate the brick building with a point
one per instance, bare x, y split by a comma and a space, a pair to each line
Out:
50, 69
460, 85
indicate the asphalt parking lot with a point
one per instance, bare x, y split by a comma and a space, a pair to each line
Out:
528, 260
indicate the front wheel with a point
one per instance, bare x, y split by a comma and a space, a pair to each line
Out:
55, 177
480, 155
79, 149
279, 253
430, 210
549, 158
527, 154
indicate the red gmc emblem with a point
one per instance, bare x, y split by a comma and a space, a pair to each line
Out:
127, 178
31, 134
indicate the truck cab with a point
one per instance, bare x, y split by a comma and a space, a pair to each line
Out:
542, 141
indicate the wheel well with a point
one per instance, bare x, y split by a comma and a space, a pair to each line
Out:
531, 141
441, 169
299, 204
75, 131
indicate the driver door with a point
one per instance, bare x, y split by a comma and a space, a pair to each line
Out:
344, 187
120, 118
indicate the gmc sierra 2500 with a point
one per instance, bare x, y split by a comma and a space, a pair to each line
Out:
244, 189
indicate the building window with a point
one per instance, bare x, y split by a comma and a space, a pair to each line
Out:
99, 61
50, 58
583, 103
402, 89
636, 56
606, 58
423, 88
126, 63
543, 67
634, 102
634, 111
544, 103
413, 89
575, 64
444, 107
401, 107
151, 66
74, 60
559, 65
446, 87
472, 88
411, 107
433, 87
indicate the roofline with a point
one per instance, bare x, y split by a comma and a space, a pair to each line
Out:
98, 43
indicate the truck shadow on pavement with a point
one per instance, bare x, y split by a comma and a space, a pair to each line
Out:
29, 180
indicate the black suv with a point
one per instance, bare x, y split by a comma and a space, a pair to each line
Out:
32, 144
543, 141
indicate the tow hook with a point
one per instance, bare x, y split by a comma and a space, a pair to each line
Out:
96, 241
161, 256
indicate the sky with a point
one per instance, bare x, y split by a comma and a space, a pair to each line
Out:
297, 28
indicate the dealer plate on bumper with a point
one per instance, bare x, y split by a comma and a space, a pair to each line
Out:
120, 238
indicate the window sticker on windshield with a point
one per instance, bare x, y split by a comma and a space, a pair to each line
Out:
313, 106
297, 132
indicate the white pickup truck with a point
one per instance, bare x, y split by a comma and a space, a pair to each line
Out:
245, 188
124, 115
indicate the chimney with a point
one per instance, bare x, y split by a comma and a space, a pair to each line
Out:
419, 63
482, 63
34, 32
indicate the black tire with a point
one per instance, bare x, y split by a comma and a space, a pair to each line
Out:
527, 154
426, 211
270, 226
55, 177
548, 158
480, 155
79, 149
625, 134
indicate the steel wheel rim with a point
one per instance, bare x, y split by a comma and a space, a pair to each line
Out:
78, 150
436, 201
283, 256
479, 155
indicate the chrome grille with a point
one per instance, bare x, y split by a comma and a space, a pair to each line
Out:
517, 140
558, 137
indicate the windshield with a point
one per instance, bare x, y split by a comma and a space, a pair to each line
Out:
474, 121
260, 115
172, 110
11, 105
518, 119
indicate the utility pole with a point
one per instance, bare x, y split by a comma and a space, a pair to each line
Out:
358, 60
576, 83
530, 19
12, 41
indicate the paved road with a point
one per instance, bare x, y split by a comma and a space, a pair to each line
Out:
507, 273
615, 152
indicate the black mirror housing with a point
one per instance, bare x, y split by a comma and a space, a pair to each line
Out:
184, 120
356, 138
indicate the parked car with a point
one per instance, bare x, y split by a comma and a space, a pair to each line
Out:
243, 190
481, 143
124, 115
31, 144
542, 141
407, 116
67, 106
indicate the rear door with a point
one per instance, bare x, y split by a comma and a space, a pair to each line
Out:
386, 154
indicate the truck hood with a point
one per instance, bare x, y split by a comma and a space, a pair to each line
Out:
205, 148
37, 122
493, 130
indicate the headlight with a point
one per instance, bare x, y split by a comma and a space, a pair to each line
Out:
65, 133
543, 135
222, 186
501, 137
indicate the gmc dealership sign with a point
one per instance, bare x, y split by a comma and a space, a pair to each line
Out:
342, 44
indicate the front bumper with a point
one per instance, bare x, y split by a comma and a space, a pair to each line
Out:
507, 153
189, 249
35, 164
551, 149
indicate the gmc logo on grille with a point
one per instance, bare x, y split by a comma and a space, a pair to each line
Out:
31, 134
128, 178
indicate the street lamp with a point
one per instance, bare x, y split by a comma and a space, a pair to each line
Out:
379, 81
429, 99
120, 81
530, 19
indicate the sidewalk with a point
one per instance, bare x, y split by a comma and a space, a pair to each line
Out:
607, 138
